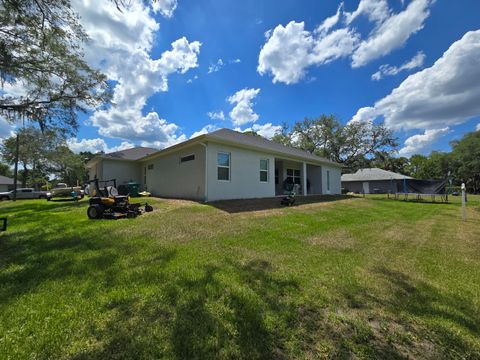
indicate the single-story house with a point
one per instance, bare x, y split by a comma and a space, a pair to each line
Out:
124, 165
221, 165
373, 181
6, 183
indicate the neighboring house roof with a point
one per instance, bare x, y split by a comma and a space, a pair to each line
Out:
251, 141
7, 181
373, 174
131, 154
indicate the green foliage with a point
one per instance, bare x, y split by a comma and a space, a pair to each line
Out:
5, 170
34, 149
353, 144
466, 157
42, 154
41, 52
67, 166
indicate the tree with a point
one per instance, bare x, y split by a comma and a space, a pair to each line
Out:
353, 144
466, 159
34, 150
5, 170
67, 166
41, 56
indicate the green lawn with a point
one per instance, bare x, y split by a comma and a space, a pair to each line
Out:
351, 278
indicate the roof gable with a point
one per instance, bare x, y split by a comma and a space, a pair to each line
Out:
373, 174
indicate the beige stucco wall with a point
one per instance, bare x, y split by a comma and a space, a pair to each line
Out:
95, 170
123, 171
244, 180
170, 178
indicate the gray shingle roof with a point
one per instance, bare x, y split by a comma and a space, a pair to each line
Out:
373, 174
259, 142
7, 181
130, 154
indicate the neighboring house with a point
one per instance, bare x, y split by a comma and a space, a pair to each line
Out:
121, 165
374, 180
6, 183
227, 164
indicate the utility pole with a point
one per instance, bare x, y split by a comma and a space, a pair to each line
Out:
15, 171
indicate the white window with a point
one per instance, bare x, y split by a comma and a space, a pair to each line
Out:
293, 176
223, 166
264, 170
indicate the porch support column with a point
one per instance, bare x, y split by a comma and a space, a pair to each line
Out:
304, 179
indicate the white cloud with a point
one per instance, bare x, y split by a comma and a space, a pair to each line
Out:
392, 33
331, 21
267, 130
235, 61
95, 145
6, 129
445, 94
478, 127
388, 70
215, 67
289, 50
120, 46
165, 7
205, 130
216, 115
376, 11
243, 113
417, 144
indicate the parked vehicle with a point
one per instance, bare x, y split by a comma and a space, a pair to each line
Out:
24, 193
62, 190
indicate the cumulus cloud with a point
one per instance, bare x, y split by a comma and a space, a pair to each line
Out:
392, 33
388, 70
417, 144
6, 129
216, 115
205, 130
289, 50
120, 46
376, 11
95, 145
242, 113
442, 95
478, 127
267, 130
165, 7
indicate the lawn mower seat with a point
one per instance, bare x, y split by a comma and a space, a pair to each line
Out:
111, 191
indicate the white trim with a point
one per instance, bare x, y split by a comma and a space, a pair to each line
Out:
267, 171
304, 180
229, 167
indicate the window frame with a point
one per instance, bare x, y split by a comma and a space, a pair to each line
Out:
267, 171
294, 176
225, 167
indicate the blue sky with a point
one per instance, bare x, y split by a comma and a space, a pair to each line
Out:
273, 62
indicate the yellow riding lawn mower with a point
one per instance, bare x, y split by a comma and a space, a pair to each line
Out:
106, 203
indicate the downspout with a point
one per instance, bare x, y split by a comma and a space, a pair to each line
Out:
205, 198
